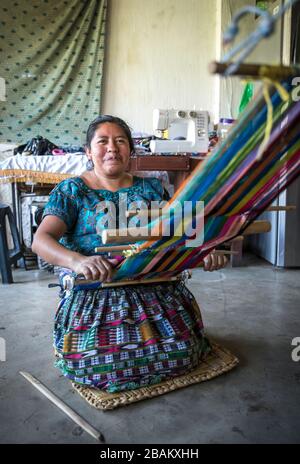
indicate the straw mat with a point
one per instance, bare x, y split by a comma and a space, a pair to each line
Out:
217, 362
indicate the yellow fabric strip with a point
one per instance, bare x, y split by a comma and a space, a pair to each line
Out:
267, 83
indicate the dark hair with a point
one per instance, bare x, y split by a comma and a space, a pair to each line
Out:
108, 118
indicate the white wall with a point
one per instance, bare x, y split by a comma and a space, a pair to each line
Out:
157, 57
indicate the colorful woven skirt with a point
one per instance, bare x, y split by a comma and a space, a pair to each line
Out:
122, 338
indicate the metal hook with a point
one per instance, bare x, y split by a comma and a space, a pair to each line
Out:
264, 29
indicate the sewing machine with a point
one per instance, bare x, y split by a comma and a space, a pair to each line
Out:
186, 131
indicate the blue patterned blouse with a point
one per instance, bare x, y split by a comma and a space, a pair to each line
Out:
87, 211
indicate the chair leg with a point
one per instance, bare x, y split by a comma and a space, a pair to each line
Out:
18, 248
5, 266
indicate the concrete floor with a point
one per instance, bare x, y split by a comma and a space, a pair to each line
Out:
252, 310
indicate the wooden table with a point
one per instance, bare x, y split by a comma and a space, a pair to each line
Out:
178, 167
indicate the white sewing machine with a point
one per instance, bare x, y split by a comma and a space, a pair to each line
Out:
187, 131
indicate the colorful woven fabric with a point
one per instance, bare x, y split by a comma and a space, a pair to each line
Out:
126, 337
234, 183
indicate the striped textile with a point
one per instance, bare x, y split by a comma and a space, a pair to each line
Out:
123, 338
235, 185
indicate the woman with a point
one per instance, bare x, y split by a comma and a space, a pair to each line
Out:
116, 338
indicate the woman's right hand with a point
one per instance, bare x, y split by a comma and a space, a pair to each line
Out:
94, 267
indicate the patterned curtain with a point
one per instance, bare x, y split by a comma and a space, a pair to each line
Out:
52, 55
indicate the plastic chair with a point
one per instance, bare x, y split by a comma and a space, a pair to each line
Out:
7, 256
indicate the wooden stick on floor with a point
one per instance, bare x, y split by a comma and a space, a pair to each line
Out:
63, 407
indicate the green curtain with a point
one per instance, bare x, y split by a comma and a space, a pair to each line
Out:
52, 55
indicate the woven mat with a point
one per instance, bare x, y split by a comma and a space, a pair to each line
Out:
216, 363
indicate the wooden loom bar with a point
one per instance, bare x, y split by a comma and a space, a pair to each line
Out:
144, 212
140, 282
110, 236
118, 235
282, 208
157, 212
116, 249
257, 71
113, 248
81, 281
122, 283
258, 227
216, 252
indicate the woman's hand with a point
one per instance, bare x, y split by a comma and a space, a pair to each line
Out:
214, 261
95, 267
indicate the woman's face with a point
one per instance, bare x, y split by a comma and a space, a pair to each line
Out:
110, 150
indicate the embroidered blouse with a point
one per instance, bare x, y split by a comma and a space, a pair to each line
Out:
86, 211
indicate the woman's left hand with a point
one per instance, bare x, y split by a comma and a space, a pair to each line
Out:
214, 261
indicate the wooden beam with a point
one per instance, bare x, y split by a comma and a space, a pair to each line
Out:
125, 236
256, 71
282, 208
157, 212
258, 227
154, 213
129, 235
112, 248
